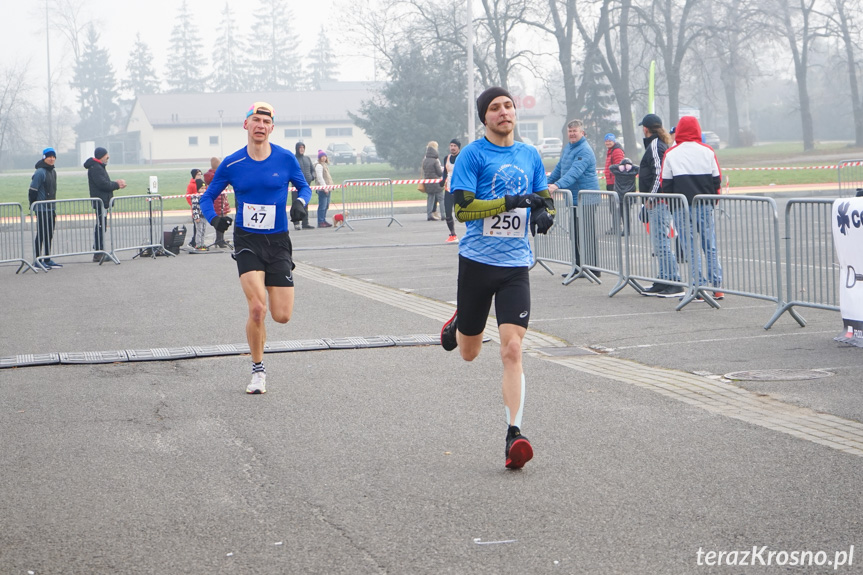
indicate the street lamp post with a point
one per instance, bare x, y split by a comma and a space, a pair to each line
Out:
221, 143
471, 115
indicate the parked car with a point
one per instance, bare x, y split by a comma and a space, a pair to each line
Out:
369, 155
549, 147
711, 139
341, 154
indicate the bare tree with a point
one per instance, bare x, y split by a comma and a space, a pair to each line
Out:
14, 91
843, 25
560, 22
496, 38
672, 28
388, 26
731, 47
381, 26
72, 24
800, 25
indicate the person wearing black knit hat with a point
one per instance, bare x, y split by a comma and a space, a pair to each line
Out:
500, 191
449, 199
103, 188
43, 187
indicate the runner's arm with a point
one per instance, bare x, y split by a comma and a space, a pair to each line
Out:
213, 191
468, 208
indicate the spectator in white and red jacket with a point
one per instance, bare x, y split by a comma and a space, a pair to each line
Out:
690, 168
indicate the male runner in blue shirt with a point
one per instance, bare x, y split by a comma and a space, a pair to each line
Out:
260, 174
499, 187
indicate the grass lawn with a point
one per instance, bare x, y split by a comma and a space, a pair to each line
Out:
72, 182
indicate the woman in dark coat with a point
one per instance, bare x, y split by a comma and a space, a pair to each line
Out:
432, 170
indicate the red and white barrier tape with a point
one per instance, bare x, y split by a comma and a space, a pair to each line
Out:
600, 174
831, 167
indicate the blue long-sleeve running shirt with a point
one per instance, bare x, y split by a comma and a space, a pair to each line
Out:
260, 189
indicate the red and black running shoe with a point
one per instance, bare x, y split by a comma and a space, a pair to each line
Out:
518, 448
447, 333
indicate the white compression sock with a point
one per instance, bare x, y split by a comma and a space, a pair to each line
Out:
518, 413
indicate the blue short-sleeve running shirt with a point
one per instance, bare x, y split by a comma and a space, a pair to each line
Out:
491, 172
258, 183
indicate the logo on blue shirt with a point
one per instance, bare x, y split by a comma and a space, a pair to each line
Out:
511, 179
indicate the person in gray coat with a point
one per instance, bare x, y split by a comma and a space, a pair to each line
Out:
432, 170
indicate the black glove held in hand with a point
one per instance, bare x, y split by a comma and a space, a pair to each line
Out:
221, 223
541, 220
525, 201
298, 211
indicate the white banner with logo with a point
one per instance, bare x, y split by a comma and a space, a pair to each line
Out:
848, 238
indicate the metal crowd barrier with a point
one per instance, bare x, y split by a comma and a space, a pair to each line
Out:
136, 223
811, 267
642, 259
558, 245
75, 228
850, 177
12, 236
598, 232
747, 245
368, 200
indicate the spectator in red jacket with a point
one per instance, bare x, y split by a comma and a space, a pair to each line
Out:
613, 157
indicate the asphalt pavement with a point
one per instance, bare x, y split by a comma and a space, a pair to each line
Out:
649, 460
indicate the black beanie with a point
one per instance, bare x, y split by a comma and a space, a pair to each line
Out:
486, 98
100, 153
195, 171
456, 142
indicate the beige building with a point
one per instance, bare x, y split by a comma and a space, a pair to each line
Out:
192, 128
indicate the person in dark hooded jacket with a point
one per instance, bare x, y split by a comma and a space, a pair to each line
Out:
691, 168
624, 183
43, 187
103, 188
432, 170
308, 168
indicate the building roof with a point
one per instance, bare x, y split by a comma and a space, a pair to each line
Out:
330, 104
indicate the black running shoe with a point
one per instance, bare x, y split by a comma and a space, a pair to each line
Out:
654, 289
671, 291
518, 449
447, 333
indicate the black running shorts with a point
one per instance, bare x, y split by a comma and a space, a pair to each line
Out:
478, 283
269, 253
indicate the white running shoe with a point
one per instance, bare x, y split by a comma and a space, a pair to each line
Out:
259, 383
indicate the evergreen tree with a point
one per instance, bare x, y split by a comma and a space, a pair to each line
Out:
596, 113
185, 60
97, 93
141, 76
425, 100
321, 62
229, 74
275, 63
